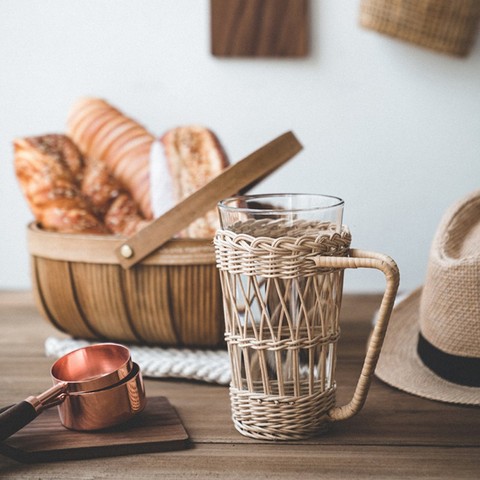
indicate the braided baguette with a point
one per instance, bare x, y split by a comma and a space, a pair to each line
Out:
103, 132
49, 168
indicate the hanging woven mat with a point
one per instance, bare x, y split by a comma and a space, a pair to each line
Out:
211, 366
448, 26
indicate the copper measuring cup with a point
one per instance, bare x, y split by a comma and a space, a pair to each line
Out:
95, 387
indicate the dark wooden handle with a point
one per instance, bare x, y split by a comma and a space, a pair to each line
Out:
6, 408
16, 417
237, 177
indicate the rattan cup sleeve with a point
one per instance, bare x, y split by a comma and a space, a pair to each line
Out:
282, 286
365, 259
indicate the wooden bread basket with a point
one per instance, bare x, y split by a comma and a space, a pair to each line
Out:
150, 288
171, 298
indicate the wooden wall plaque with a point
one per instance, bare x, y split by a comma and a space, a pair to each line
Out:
259, 28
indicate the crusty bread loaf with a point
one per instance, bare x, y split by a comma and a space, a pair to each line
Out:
194, 157
49, 169
103, 132
109, 200
123, 217
99, 186
70, 194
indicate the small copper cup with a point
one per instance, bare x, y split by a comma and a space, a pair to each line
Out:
95, 387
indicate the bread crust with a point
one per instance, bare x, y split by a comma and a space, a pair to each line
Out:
195, 157
109, 200
71, 194
103, 132
49, 168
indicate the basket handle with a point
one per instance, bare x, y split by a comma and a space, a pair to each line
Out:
238, 177
364, 259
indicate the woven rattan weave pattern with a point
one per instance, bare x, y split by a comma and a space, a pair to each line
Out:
448, 26
281, 316
293, 417
266, 248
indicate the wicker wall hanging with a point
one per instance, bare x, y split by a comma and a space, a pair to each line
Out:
448, 26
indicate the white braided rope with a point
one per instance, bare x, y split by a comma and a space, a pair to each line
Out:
211, 366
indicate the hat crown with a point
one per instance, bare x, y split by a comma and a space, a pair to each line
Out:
450, 303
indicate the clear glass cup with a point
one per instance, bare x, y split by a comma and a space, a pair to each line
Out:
282, 300
283, 210
281, 259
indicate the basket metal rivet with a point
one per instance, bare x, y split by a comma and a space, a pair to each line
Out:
126, 251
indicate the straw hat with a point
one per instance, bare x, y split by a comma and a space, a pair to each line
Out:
432, 345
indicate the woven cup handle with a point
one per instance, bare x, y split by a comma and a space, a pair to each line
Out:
364, 259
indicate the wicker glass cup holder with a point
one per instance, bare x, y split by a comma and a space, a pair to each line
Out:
282, 298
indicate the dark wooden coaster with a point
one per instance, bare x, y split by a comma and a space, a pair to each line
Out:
157, 429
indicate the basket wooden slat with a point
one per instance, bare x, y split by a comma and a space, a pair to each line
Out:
58, 297
193, 329
152, 305
99, 293
448, 26
172, 298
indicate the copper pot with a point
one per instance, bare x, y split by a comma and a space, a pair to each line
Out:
95, 387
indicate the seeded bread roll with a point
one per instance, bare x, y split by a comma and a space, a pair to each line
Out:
195, 157
109, 200
103, 132
123, 217
99, 186
49, 169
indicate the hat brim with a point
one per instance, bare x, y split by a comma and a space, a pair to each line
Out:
400, 366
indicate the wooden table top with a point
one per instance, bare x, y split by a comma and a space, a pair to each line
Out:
396, 435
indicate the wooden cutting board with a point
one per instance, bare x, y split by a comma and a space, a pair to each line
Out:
157, 429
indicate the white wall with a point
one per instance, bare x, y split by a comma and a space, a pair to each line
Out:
392, 128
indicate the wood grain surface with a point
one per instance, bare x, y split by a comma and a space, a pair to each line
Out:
259, 28
157, 429
395, 436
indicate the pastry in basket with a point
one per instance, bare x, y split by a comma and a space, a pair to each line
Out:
123, 217
194, 157
70, 194
103, 132
109, 200
49, 168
